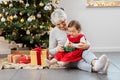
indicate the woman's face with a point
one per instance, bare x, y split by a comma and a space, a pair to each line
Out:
62, 25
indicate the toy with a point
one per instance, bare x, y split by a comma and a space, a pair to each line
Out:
68, 49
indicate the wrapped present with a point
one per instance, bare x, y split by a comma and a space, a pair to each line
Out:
44, 56
24, 59
13, 58
38, 56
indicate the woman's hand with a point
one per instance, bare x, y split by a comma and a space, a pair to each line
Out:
83, 45
60, 49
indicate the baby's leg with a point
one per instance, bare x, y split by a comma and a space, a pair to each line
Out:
62, 63
50, 62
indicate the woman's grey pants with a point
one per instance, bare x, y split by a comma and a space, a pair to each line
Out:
85, 63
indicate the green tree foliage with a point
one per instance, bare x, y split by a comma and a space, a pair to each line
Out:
26, 21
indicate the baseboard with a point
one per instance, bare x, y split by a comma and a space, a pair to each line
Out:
105, 49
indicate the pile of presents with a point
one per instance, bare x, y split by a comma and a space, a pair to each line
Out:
35, 59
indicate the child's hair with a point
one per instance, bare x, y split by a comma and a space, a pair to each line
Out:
75, 24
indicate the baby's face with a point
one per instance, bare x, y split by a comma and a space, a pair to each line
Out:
73, 31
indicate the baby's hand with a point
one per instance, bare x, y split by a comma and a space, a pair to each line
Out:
70, 44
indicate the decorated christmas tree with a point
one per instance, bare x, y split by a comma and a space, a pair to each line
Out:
27, 21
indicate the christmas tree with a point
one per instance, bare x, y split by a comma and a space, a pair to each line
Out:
27, 21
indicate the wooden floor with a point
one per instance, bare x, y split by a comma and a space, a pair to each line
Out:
65, 74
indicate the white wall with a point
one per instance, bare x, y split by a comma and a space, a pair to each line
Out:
101, 25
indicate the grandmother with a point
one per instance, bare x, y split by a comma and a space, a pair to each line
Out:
58, 38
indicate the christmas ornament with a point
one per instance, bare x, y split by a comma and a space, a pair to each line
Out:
21, 35
2, 19
57, 1
5, 2
50, 28
32, 17
38, 15
10, 5
8, 19
21, 13
28, 14
22, 20
28, 32
41, 27
0, 15
29, 27
29, 19
14, 33
34, 5
6, 13
15, 16
11, 17
34, 26
3, 10
21, 1
47, 7
41, 4
22, 28
27, 4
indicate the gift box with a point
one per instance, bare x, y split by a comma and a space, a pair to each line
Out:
44, 56
38, 56
24, 59
13, 58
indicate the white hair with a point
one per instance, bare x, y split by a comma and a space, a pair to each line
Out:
58, 16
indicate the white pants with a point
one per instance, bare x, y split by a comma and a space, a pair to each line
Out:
85, 63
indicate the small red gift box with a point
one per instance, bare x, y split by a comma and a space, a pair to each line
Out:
13, 58
25, 59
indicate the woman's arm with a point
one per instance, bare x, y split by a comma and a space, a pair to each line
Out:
83, 44
52, 43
